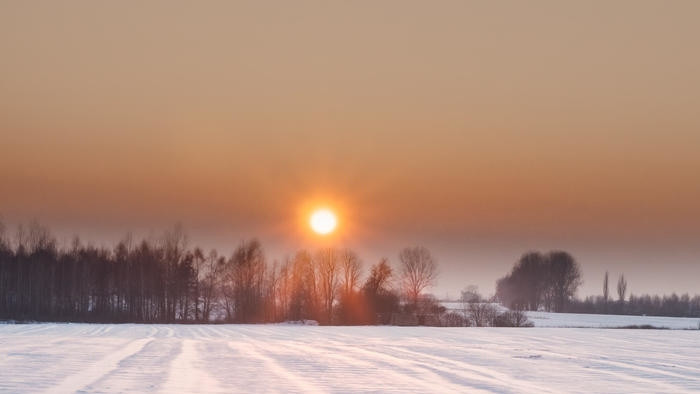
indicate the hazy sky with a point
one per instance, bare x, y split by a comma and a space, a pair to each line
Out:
479, 129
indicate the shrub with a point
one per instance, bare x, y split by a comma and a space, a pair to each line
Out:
512, 319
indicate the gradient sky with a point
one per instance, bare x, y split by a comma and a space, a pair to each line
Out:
478, 129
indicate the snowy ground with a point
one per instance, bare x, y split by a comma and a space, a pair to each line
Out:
284, 358
547, 319
581, 320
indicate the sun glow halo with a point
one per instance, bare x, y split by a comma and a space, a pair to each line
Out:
323, 221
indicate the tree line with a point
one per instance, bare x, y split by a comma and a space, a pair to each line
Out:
549, 281
167, 281
654, 305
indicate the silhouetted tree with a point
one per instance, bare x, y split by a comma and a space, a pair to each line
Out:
380, 300
351, 306
536, 280
163, 280
350, 271
328, 275
418, 271
247, 273
209, 283
606, 288
621, 288
564, 277
303, 299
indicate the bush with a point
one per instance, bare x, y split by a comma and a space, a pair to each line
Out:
453, 319
482, 314
512, 319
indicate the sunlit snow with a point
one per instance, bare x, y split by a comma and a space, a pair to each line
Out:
288, 358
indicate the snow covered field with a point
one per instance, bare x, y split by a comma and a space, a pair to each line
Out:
548, 319
582, 320
285, 358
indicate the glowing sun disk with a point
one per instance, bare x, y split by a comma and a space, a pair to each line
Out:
323, 221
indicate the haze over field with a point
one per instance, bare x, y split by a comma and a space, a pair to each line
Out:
478, 130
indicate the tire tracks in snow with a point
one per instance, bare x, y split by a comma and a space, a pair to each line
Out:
96, 371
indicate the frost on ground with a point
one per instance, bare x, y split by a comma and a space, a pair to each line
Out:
292, 358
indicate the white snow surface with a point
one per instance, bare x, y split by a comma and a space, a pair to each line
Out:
549, 319
64, 358
583, 320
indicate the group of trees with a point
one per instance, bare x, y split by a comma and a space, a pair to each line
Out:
667, 305
540, 281
549, 282
477, 312
166, 281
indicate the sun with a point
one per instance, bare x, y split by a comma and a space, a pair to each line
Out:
323, 221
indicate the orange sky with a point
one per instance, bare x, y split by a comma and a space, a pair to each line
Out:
479, 129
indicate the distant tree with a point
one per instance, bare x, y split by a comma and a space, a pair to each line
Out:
418, 271
379, 277
328, 270
536, 280
535, 270
528, 285
621, 288
470, 294
247, 275
564, 278
350, 271
351, 305
606, 289
380, 300
303, 298
210, 283
506, 291
269, 310
482, 314
198, 261
174, 246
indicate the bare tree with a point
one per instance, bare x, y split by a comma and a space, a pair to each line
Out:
418, 271
328, 269
174, 244
210, 282
40, 238
248, 274
350, 269
304, 287
482, 314
469, 296
621, 288
271, 289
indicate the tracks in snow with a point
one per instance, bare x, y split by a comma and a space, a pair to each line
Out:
61, 358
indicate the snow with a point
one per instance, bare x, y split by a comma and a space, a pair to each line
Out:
582, 320
60, 358
548, 319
